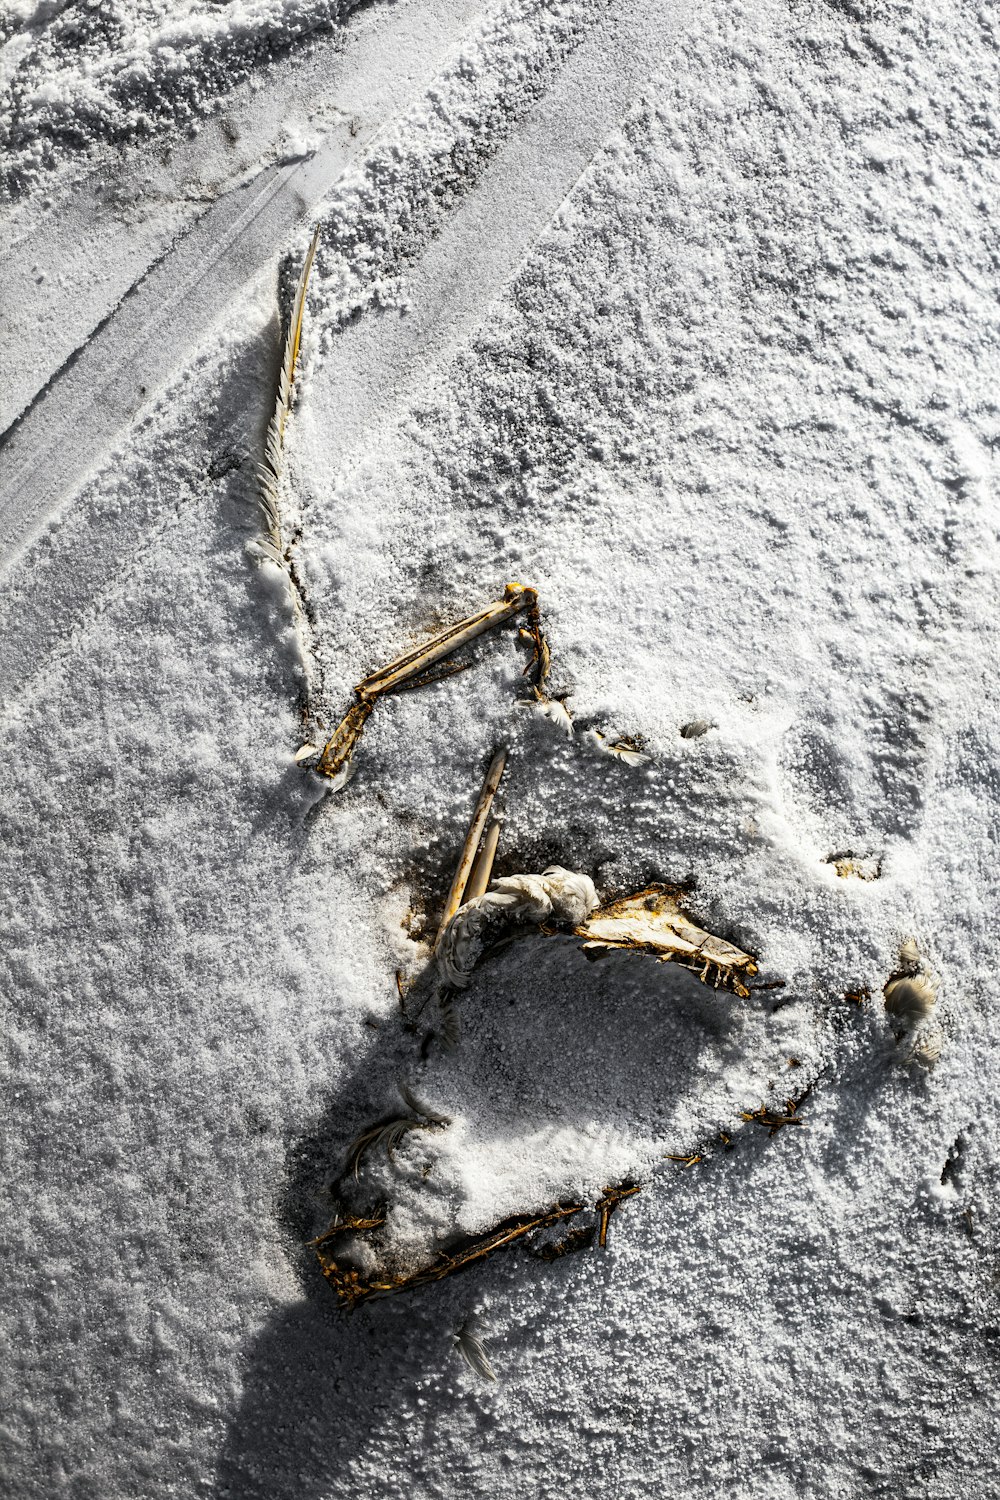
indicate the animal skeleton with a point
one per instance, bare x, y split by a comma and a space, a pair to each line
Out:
557, 903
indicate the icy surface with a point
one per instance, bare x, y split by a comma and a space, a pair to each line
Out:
735, 417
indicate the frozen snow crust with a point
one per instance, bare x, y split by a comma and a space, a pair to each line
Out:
735, 417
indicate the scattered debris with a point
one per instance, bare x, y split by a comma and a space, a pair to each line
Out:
771, 1119
851, 866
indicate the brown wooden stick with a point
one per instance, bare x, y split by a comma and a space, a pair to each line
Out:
475, 833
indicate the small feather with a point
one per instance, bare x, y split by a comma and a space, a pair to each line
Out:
551, 709
390, 1133
265, 551
624, 750
927, 1046
630, 756
388, 1136
412, 1102
451, 1031
910, 997
470, 1347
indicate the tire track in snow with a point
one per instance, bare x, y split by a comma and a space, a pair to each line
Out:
65, 268
76, 421
379, 361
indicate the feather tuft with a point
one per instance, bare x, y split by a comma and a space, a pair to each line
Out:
470, 1347
273, 546
269, 473
387, 1135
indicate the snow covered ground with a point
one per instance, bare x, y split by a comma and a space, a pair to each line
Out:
686, 316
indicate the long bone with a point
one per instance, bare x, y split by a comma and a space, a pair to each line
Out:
482, 868
412, 669
472, 838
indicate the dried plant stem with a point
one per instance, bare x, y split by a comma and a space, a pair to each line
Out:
472, 838
482, 868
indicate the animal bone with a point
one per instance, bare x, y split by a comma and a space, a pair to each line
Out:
482, 868
475, 833
411, 669
649, 922
652, 922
